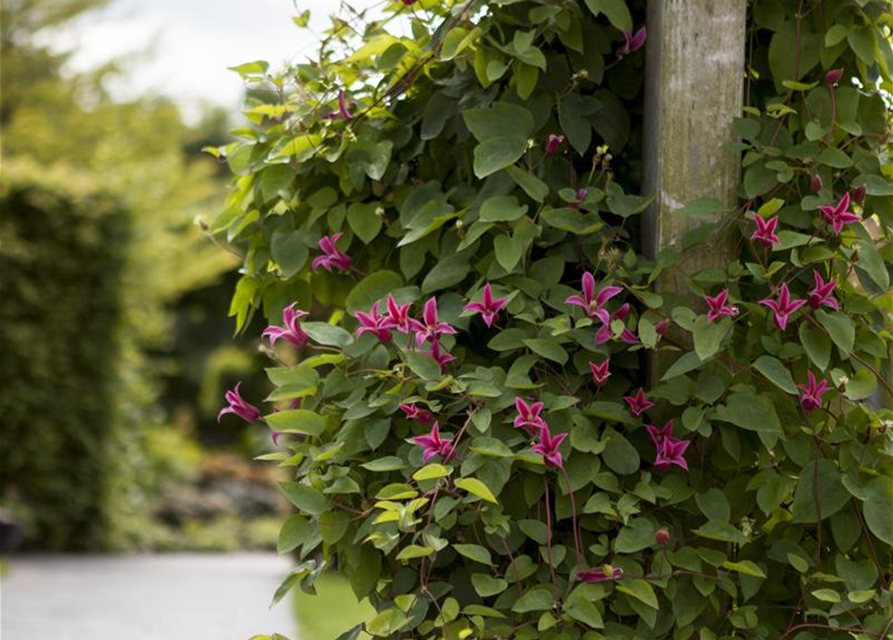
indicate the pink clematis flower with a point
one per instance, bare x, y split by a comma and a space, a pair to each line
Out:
822, 293
443, 358
784, 306
718, 307
275, 435
332, 256
291, 330
833, 77
600, 373
553, 144
413, 412
238, 406
838, 215
433, 445
342, 106
632, 42
600, 575
812, 392
431, 329
591, 303
658, 436
671, 451
398, 316
605, 333
548, 447
662, 536
581, 196
529, 415
815, 183
488, 307
638, 404
859, 193
373, 323
765, 232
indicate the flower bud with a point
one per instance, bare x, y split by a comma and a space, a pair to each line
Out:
859, 193
662, 537
815, 183
553, 144
833, 77
662, 327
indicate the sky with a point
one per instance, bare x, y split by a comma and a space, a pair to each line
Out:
190, 43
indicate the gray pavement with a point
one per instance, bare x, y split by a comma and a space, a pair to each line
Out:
143, 597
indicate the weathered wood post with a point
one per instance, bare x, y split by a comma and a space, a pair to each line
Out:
693, 91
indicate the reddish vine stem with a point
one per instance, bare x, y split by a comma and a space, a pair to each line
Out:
549, 544
578, 545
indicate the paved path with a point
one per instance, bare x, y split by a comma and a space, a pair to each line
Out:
143, 597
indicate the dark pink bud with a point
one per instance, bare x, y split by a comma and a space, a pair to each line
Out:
662, 537
553, 144
833, 77
815, 183
859, 193
662, 327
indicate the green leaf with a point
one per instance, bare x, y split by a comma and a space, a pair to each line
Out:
532, 186
751, 412
616, 11
502, 209
305, 498
537, 599
502, 130
688, 362
449, 271
508, 251
372, 288
363, 219
572, 220
431, 472
826, 595
388, 463
635, 536
640, 590
582, 609
878, 509
714, 505
722, 531
861, 385
831, 495
327, 334
414, 551
487, 586
746, 567
422, 365
548, 348
297, 421
839, 327
288, 251
833, 157
620, 456
817, 345
478, 488
873, 264
474, 552
708, 336
776, 373
295, 531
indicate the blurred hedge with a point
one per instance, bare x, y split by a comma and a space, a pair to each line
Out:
63, 250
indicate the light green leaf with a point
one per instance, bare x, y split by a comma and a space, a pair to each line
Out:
297, 421
431, 472
474, 552
478, 488
776, 373
746, 567
839, 327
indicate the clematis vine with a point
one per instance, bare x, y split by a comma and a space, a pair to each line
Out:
812, 392
592, 304
717, 307
600, 373
765, 232
638, 403
606, 572
632, 42
373, 323
431, 328
332, 257
548, 447
398, 316
433, 445
414, 412
553, 143
488, 307
606, 332
783, 307
238, 406
839, 214
291, 330
529, 415
822, 293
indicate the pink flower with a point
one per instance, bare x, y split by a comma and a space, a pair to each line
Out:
833, 77
581, 196
600, 575
398, 316
718, 307
662, 536
837, 216
605, 333
812, 392
342, 106
553, 143
413, 412
489, 307
815, 183
237, 405
529, 415
669, 452
662, 327
658, 436
291, 330
431, 329
784, 307
638, 404
600, 373
442, 358
332, 256
765, 232
373, 323
822, 293
859, 193
548, 447
433, 445
632, 42
275, 435
591, 304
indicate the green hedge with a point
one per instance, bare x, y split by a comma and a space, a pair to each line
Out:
62, 254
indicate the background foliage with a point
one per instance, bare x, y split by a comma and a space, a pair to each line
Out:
429, 152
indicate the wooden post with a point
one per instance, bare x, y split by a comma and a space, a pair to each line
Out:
693, 91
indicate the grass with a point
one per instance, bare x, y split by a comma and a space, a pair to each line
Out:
332, 611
